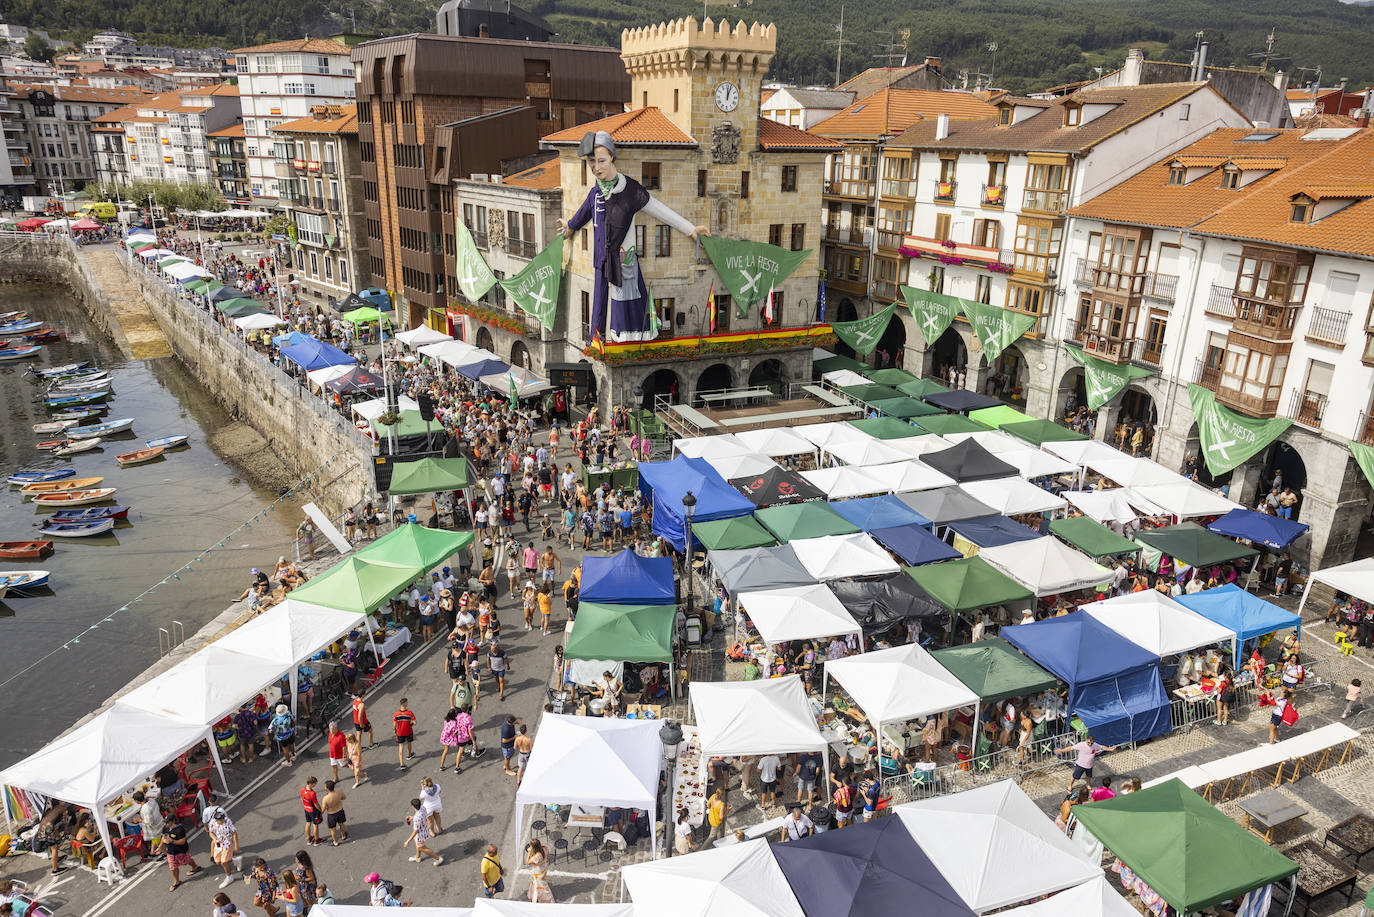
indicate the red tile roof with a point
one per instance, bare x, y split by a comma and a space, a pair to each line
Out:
542, 177
891, 111
305, 45
641, 127
345, 123
233, 130
776, 137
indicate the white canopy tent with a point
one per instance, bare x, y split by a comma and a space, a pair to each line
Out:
845, 482
205, 687
899, 684
972, 836
831, 432
1105, 506
505, 907
1013, 496
371, 410
1036, 463
1183, 500
185, 270
1355, 578
96, 763
832, 557
158, 253
843, 378
1082, 451
707, 447
776, 441
259, 322
1096, 898
994, 441
917, 446
739, 466
907, 476
1158, 623
797, 613
476, 355
527, 384
318, 377
739, 880
865, 452
365, 910
1046, 566
753, 718
1129, 471
420, 336
452, 353
582, 760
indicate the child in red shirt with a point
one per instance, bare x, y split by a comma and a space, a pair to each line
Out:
313, 814
404, 721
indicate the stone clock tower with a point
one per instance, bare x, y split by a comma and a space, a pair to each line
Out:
707, 78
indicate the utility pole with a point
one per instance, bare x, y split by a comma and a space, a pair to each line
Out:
994, 48
839, 45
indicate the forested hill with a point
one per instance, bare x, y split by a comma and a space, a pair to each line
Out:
1039, 42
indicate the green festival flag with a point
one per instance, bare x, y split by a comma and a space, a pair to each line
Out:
749, 269
1104, 380
863, 334
933, 311
474, 277
514, 392
1364, 457
535, 288
996, 327
1228, 438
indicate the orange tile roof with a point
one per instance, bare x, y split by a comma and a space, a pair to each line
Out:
1336, 192
640, 127
776, 137
122, 95
1316, 119
1299, 95
345, 123
1198, 162
876, 79
233, 130
1260, 211
542, 177
219, 89
891, 111
306, 45
1259, 163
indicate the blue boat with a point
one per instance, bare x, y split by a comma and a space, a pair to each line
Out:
35, 477
62, 370
17, 353
168, 442
21, 580
20, 327
77, 529
100, 429
90, 514
85, 398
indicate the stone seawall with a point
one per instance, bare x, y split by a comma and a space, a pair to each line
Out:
37, 258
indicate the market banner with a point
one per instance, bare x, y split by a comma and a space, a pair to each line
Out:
1229, 438
1105, 380
750, 269
996, 327
474, 277
863, 334
1364, 457
535, 288
933, 311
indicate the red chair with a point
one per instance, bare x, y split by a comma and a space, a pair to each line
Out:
132, 843
375, 675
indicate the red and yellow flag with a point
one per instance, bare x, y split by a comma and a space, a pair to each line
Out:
711, 306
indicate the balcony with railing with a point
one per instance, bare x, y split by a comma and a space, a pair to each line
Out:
1364, 429
1264, 319
850, 187
329, 167
944, 190
1043, 200
1258, 399
1206, 375
1221, 302
1151, 285
1307, 408
1115, 349
521, 248
848, 235
1327, 326
994, 195
902, 188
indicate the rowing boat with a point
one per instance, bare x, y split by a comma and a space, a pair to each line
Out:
75, 497
13, 316
20, 580
77, 386
99, 410
16, 353
81, 445
91, 513
88, 372
52, 487
20, 327
59, 370
77, 529
139, 457
101, 429
28, 477
167, 442
63, 401
56, 426
25, 550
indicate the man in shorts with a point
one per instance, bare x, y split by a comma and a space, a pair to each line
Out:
872, 791
769, 766
178, 851
524, 744
313, 814
1087, 750
338, 749
807, 769
361, 724
843, 798
550, 566
334, 817
403, 720
508, 732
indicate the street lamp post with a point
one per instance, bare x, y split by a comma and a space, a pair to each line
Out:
689, 505
638, 395
670, 734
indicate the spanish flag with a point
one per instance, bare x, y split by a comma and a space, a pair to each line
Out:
711, 306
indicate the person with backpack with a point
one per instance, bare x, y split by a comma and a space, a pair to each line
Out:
283, 729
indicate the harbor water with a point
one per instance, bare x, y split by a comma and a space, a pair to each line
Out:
55, 669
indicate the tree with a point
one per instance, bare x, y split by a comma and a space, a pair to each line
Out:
36, 47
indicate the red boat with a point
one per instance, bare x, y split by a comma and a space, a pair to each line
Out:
45, 336
25, 550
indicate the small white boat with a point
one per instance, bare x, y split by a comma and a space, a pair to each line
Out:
20, 580
168, 442
79, 386
101, 429
55, 426
80, 445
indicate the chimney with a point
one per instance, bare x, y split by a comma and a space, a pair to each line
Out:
1281, 81
1131, 70
942, 127
933, 63
1361, 117
1200, 70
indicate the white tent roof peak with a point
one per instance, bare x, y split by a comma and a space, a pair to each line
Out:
1046, 565
206, 686
865, 452
720, 444
1355, 578
831, 557
797, 613
740, 466
908, 475
899, 684
775, 441
1096, 898
421, 336
1102, 505
995, 441
1182, 498
1157, 622
1036, 463
739, 880
504, 907
1130, 471
1082, 451
291, 632
831, 431
1012, 496
845, 482
754, 718
582, 760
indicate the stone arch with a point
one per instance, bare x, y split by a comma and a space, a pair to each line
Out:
520, 355
715, 377
1071, 393
893, 342
662, 382
949, 350
1192, 446
1286, 460
769, 374
484, 340
845, 311
1008, 377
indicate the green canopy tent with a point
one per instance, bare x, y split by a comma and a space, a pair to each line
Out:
870, 392
429, 475
812, 519
1092, 537
168, 262
624, 633
357, 585
999, 416
904, 407
1039, 432
412, 545
1193, 544
920, 388
893, 376
1179, 844
199, 285
733, 534
410, 423
238, 308
364, 315
831, 364
967, 585
886, 428
994, 670
940, 424
225, 304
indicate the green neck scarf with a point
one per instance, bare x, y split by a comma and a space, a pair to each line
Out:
606, 186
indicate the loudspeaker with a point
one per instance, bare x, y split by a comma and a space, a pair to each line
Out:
426, 406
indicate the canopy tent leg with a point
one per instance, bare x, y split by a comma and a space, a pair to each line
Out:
293, 685
372, 642
9, 825
219, 765
1305, 590
103, 827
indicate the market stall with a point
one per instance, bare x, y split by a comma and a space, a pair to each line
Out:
1047, 566
1182, 500
943, 505
969, 461
1092, 537
775, 487
968, 585
1247, 616
1013, 496
758, 568
844, 481
668, 482
972, 535
1194, 545
871, 513
1355, 579
914, 544
736, 880
421, 336
797, 613
907, 475
1037, 463
732, 534
792, 521
994, 670
772, 716
869, 451
833, 557
1039, 432
627, 578
1096, 898
1107, 506
887, 428
1273, 532
776, 442
879, 603
1158, 623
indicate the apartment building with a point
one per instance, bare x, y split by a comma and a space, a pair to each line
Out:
804, 108
16, 164
1264, 235
164, 137
319, 175
59, 138
282, 82
231, 164
435, 108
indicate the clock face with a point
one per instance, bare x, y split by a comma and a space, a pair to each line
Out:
727, 96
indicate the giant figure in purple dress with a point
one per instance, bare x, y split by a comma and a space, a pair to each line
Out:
620, 298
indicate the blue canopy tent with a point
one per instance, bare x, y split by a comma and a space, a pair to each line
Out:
628, 579
1114, 684
992, 531
1260, 528
291, 338
871, 868
475, 371
914, 544
667, 482
313, 354
1247, 616
870, 513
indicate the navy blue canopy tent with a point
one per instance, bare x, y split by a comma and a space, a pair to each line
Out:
1114, 684
961, 400
870, 513
991, 531
914, 544
312, 354
870, 869
1261, 528
628, 579
475, 371
667, 482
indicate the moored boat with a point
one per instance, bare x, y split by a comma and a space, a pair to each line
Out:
56, 426
28, 477
75, 497
20, 327
101, 429
139, 457
77, 529
22, 580
168, 442
91, 513
80, 445
13, 316
90, 372
77, 386
16, 353
25, 550
62, 401
45, 336
99, 410
52, 487
59, 370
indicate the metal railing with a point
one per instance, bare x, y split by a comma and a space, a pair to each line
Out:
1327, 325
994, 195
1307, 408
1204, 375
1364, 429
1139, 349
944, 190
1220, 302
521, 248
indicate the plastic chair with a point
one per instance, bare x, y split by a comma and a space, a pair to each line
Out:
88, 851
1344, 644
375, 675
109, 871
133, 843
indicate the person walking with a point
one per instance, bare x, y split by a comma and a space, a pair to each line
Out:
1087, 750
224, 843
267, 885
361, 724
403, 721
306, 880
335, 819
338, 750
432, 805
716, 813
508, 743
490, 869
524, 744
419, 834
178, 850
313, 814
538, 861
354, 748
498, 664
